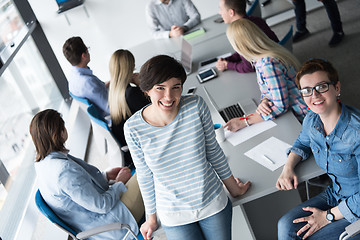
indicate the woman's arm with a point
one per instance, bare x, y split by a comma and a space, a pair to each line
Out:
235, 187
75, 182
288, 179
236, 124
274, 86
149, 226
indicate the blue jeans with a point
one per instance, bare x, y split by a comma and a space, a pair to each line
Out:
331, 9
214, 227
287, 229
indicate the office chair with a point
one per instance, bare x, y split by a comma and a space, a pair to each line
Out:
102, 131
254, 9
287, 40
83, 102
49, 214
351, 230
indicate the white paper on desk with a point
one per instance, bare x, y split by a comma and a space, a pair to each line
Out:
274, 149
235, 138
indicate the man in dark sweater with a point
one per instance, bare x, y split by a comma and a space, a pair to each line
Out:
231, 10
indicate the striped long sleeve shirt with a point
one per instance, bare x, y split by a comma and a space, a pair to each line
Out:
277, 83
179, 165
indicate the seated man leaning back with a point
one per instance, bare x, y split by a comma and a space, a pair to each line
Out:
82, 82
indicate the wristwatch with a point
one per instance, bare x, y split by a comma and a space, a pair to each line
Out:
330, 216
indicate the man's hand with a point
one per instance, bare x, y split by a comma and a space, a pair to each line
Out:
176, 31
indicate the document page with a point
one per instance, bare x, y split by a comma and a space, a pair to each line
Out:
271, 153
235, 138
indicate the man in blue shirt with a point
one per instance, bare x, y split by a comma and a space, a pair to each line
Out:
82, 82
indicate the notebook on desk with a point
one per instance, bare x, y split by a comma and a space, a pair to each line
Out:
243, 107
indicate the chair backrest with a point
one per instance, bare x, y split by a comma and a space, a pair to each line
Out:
254, 9
49, 214
287, 40
83, 102
102, 131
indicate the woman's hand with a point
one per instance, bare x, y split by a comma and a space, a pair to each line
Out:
287, 180
235, 187
235, 124
148, 227
221, 64
123, 175
264, 107
315, 221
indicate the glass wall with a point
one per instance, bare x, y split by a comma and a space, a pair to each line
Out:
26, 86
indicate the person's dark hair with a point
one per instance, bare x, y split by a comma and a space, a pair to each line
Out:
315, 65
158, 70
46, 129
239, 6
73, 48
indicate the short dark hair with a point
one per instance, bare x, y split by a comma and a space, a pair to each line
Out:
239, 6
315, 65
45, 129
73, 49
158, 70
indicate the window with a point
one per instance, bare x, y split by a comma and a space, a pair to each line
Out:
26, 86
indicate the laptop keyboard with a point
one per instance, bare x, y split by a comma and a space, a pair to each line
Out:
233, 111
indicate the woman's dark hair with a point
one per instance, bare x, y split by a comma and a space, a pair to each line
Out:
316, 65
158, 70
46, 129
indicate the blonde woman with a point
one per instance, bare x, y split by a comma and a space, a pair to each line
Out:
124, 99
276, 71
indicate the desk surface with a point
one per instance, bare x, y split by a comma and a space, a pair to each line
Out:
228, 88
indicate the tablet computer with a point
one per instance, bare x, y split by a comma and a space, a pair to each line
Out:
206, 75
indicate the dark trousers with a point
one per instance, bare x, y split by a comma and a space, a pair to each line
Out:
331, 9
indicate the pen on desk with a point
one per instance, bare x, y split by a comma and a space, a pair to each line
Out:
268, 159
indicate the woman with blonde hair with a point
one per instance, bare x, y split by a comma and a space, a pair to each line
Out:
275, 69
124, 98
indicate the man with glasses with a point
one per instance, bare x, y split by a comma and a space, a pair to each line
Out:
82, 82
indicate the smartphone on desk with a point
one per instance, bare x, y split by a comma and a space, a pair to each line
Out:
206, 75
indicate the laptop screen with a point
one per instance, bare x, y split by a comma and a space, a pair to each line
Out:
186, 55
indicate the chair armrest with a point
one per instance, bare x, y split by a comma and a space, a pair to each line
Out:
353, 228
105, 228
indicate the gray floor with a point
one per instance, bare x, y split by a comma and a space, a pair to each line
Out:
344, 57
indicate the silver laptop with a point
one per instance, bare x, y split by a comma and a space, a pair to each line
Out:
242, 108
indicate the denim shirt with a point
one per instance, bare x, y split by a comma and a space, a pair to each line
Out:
338, 154
79, 194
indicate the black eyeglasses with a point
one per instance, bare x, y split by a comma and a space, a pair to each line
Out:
321, 88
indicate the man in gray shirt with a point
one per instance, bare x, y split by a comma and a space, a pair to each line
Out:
171, 18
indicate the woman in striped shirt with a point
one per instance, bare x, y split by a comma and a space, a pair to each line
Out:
275, 69
178, 160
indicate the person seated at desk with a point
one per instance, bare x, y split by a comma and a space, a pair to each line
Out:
231, 10
82, 82
275, 69
181, 167
124, 99
171, 18
331, 133
78, 192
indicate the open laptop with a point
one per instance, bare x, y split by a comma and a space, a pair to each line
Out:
211, 62
186, 56
242, 108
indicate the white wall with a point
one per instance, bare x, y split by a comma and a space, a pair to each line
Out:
110, 25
